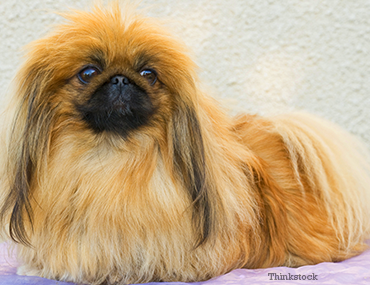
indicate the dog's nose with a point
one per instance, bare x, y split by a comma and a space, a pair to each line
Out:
119, 80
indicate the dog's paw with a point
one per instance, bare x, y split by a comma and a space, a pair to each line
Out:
27, 270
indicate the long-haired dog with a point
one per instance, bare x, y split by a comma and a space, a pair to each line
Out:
120, 170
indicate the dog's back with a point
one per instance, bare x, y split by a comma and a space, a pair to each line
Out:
322, 180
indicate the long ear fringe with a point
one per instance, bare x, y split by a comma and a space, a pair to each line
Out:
190, 165
28, 143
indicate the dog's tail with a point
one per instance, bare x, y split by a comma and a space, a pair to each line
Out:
335, 165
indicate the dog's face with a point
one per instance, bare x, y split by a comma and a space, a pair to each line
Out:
117, 97
111, 75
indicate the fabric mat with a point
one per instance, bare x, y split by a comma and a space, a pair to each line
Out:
352, 271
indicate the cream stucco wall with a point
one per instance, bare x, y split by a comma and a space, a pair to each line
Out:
259, 56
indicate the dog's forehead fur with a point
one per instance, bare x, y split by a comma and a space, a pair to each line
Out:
111, 38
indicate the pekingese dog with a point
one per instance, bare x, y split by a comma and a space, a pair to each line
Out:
120, 170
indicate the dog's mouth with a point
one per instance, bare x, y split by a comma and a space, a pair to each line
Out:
117, 106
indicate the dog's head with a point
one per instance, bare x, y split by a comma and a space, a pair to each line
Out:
114, 76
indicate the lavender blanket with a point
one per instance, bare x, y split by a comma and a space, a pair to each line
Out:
353, 271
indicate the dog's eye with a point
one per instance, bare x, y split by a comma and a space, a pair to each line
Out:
150, 75
87, 74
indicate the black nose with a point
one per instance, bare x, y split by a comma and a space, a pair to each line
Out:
120, 80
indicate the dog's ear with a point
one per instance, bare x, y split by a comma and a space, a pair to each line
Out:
190, 166
28, 144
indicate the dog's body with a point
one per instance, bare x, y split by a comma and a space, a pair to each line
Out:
166, 187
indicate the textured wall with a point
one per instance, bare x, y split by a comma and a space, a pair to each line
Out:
259, 56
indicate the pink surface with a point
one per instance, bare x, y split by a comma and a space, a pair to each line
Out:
352, 271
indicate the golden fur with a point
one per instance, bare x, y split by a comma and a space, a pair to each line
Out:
188, 196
